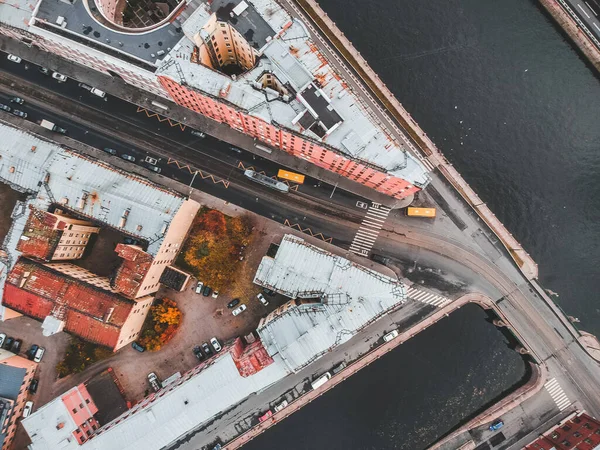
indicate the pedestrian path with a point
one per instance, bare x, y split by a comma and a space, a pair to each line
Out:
422, 295
369, 229
557, 394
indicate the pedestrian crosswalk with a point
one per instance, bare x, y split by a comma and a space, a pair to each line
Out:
422, 295
369, 229
557, 394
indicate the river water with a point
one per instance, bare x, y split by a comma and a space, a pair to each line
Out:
516, 109
412, 395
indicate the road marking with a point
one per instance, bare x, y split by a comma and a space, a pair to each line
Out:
597, 28
557, 394
422, 295
369, 229
583, 11
591, 9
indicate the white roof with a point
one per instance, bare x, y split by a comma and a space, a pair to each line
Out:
163, 417
352, 296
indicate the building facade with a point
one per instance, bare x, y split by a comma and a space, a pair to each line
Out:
578, 431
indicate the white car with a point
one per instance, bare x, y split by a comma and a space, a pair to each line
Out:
153, 380
199, 287
215, 294
28, 409
39, 354
261, 298
2, 339
14, 58
215, 344
391, 335
240, 309
59, 76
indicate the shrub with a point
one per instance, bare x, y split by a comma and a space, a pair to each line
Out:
79, 356
160, 325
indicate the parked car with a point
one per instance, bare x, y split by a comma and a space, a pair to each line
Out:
60, 130
2, 339
215, 344
496, 425
198, 353
16, 346
154, 168
98, 92
28, 409
39, 354
21, 114
207, 291
131, 241
153, 380
261, 298
206, 349
17, 100
33, 386
265, 416
138, 347
233, 303
270, 293
5, 108
215, 294
8, 342
199, 287
282, 405
14, 58
128, 157
239, 310
44, 71
32, 351
198, 133
109, 150
391, 335
59, 77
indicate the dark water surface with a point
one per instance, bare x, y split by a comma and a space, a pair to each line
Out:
409, 397
512, 104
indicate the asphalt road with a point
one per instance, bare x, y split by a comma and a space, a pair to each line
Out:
588, 12
469, 246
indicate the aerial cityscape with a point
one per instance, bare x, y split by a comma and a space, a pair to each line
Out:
377, 221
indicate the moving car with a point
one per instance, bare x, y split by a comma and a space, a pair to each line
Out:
153, 380
199, 287
207, 291
138, 347
17, 100
14, 58
21, 114
60, 77
207, 350
215, 344
109, 150
198, 353
261, 298
5, 108
128, 157
39, 354
198, 133
496, 425
33, 386
391, 335
239, 310
215, 294
16, 346
233, 303
2, 339
28, 409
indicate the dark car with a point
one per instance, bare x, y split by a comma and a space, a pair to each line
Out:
233, 303
138, 347
16, 346
154, 168
207, 350
8, 342
128, 157
17, 100
198, 353
32, 351
112, 151
131, 241
60, 130
33, 386
21, 114
207, 291
5, 108
44, 71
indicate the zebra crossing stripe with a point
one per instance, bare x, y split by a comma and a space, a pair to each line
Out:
367, 234
558, 395
426, 297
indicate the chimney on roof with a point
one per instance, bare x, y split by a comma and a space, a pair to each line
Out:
123, 220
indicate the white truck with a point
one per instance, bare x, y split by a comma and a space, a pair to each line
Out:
52, 127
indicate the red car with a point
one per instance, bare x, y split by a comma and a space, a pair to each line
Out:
265, 416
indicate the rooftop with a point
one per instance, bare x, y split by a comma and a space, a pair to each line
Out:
334, 299
133, 269
95, 314
106, 396
41, 235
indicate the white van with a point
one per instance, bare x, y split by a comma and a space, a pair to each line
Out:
98, 92
321, 380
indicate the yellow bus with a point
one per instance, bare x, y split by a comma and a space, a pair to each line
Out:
295, 177
420, 212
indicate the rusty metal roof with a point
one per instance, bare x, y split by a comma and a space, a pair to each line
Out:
41, 235
133, 269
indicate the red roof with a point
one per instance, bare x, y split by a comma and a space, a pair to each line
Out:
581, 432
133, 269
92, 313
250, 358
41, 235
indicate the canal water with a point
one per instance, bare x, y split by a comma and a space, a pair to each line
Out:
513, 105
411, 396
